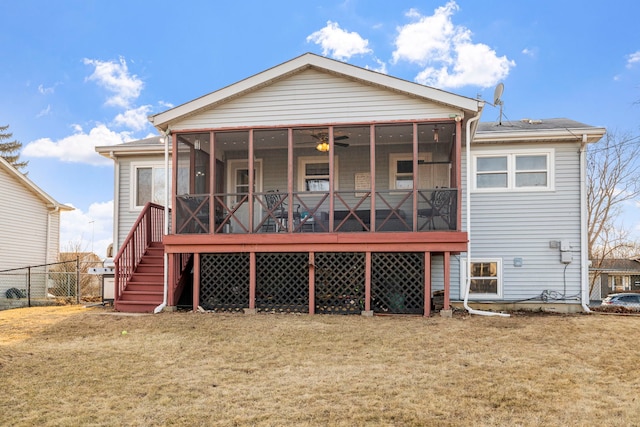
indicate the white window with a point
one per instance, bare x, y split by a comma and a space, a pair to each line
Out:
313, 173
485, 280
526, 170
148, 181
401, 172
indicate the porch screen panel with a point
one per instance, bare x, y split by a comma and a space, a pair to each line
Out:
232, 206
352, 199
193, 198
436, 145
394, 177
311, 179
271, 199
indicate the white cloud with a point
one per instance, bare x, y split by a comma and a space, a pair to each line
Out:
77, 148
381, 68
633, 59
135, 119
114, 76
44, 112
446, 52
429, 39
338, 43
529, 52
46, 90
91, 230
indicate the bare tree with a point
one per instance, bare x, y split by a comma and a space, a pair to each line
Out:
73, 264
613, 179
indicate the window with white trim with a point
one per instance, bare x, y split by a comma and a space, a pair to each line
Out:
485, 280
401, 171
525, 170
148, 181
313, 173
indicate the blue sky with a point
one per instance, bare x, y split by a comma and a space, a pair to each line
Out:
79, 73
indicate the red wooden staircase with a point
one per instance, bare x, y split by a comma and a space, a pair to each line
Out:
139, 264
144, 290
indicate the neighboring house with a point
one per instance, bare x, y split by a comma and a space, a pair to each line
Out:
29, 228
615, 275
321, 187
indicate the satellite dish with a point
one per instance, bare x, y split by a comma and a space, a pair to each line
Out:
497, 99
497, 94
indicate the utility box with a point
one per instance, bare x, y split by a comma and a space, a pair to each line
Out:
566, 257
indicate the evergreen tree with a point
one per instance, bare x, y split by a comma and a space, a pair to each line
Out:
10, 150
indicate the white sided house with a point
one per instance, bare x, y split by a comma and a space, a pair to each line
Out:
29, 227
321, 187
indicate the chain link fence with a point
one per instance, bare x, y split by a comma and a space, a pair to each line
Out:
59, 282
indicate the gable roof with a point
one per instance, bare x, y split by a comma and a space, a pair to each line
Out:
163, 121
151, 144
30, 186
619, 265
537, 130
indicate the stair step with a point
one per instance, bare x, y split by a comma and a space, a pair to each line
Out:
147, 297
155, 259
145, 287
148, 268
155, 276
136, 306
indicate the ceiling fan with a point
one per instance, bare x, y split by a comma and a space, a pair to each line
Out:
322, 141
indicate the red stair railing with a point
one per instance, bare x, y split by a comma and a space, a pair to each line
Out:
146, 230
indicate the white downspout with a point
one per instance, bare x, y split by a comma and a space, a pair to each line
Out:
468, 210
165, 292
584, 250
47, 244
116, 203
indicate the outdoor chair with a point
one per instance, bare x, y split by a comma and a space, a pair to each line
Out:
278, 212
441, 213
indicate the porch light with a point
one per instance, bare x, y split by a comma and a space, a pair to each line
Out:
323, 147
435, 133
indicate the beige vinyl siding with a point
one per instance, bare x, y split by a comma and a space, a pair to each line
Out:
520, 224
23, 225
54, 237
315, 97
126, 216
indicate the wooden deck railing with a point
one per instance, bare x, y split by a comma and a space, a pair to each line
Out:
424, 210
146, 230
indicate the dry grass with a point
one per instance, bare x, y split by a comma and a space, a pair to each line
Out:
73, 366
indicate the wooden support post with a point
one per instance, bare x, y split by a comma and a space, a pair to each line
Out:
447, 279
427, 284
367, 282
196, 281
171, 275
252, 280
312, 283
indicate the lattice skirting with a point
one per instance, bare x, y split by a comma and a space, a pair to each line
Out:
397, 283
224, 282
282, 282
